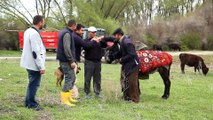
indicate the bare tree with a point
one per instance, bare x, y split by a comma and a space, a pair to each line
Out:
17, 9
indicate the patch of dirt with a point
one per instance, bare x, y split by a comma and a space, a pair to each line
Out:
175, 53
44, 115
4, 111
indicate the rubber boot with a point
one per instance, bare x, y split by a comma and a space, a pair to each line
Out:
65, 99
71, 99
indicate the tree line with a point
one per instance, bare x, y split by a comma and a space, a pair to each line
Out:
131, 15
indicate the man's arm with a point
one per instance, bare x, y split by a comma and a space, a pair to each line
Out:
67, 50
87, 44
35, 42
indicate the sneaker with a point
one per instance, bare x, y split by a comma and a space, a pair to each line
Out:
87, 96
36, 108
98, 96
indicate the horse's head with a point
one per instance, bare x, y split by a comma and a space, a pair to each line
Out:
113, 52
205, 70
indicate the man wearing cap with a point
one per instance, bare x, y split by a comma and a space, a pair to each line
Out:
92, 65
130, 66
79, 43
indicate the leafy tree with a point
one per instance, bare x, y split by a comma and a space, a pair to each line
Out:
88, 15
9, 39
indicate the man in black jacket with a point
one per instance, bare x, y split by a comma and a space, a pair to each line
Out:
130, 66
79, 42
92, 65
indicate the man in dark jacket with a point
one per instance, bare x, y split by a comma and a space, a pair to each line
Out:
66, 57
92, 65
130, 66
79, 42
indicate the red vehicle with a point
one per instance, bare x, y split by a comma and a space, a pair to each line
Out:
50, 39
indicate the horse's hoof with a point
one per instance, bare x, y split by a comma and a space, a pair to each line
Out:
165, 96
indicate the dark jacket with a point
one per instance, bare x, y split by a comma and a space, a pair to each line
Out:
129, 58
94, 53
79, 43
66, 52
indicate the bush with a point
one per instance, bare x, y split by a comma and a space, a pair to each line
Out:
9, 41
209, 44
9, 33
190, 41
150, 40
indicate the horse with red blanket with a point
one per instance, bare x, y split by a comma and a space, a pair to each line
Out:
135, 63
151, 61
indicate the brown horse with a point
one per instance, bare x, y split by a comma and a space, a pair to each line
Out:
193, 61
151, 61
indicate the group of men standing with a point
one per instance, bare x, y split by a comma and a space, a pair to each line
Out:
70, 43
68, 53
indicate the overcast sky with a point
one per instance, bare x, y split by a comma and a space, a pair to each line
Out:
29, 4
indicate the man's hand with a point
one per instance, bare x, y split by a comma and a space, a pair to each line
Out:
73, 65
42, 71
98, 39
101, 37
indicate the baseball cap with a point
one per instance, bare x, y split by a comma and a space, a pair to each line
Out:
92, 29
118, 31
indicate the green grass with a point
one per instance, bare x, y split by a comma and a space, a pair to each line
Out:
191, 96
11, 53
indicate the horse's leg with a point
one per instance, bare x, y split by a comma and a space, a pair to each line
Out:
182, 65
195, 68
165, 73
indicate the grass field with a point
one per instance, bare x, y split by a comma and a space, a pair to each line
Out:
10, 53
191, 96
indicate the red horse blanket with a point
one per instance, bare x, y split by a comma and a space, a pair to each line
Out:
149, 60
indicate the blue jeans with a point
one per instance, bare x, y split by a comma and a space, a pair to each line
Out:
33, 85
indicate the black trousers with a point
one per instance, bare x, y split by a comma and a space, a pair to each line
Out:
92, 70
